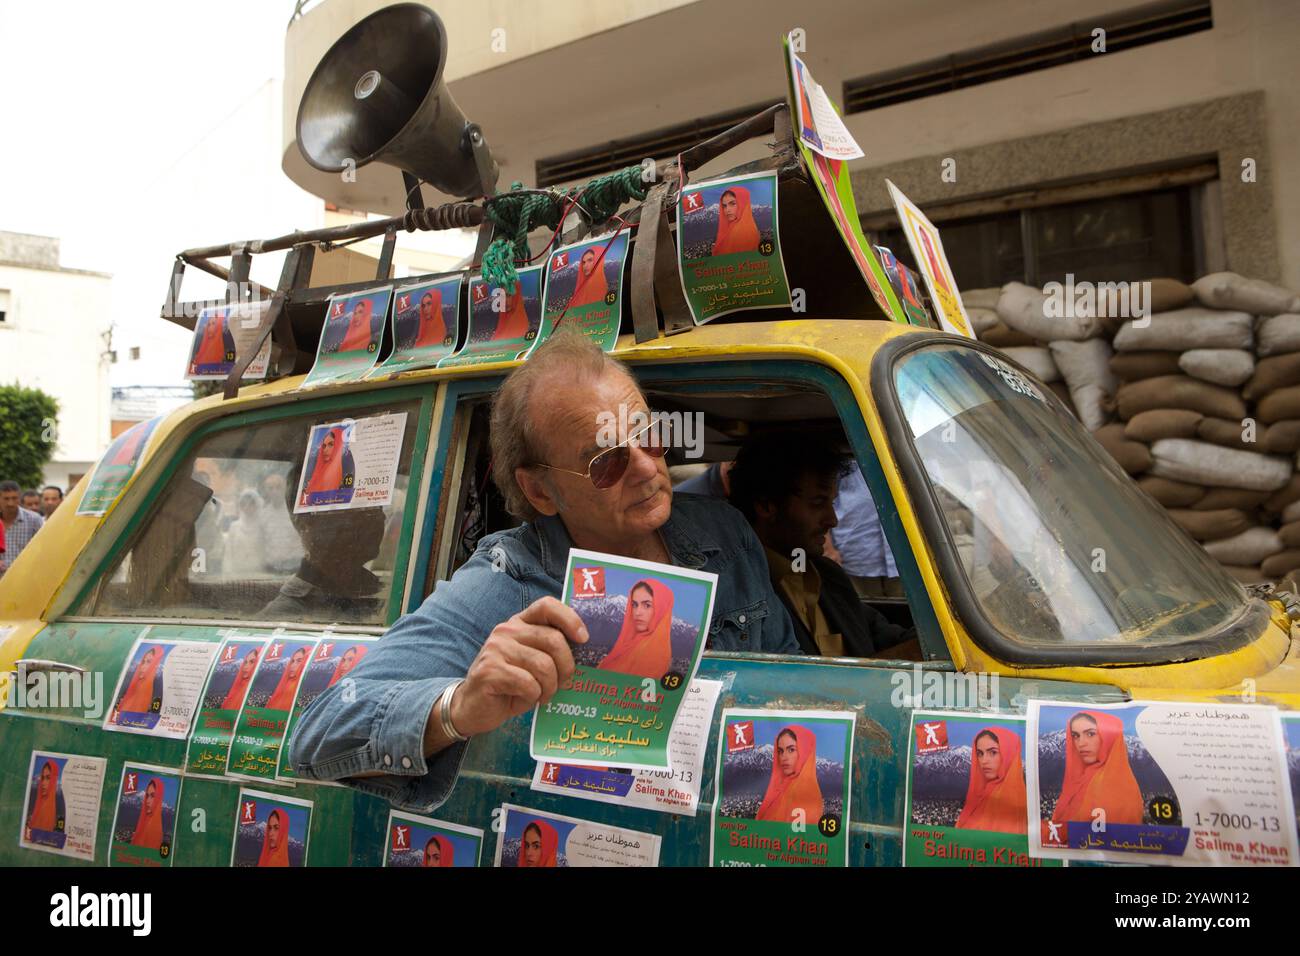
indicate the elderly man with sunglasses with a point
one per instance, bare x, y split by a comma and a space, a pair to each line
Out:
494, 640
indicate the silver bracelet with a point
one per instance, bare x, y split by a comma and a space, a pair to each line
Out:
444, 713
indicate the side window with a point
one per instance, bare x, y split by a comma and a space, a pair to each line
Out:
222, 540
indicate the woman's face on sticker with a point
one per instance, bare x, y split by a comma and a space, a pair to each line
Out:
730, 207
643, 608
327, 446
787, 754
432, 854
273, 830
532, 846
1086, 740
250, 661
589, 262
988, 755
295, 662
45, 780
150, 798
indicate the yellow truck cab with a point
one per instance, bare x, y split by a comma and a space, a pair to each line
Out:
1023, 550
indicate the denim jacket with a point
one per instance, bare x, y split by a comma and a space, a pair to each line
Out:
376, 721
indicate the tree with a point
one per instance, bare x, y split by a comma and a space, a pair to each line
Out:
28, 426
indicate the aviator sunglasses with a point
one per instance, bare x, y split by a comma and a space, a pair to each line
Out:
608, 467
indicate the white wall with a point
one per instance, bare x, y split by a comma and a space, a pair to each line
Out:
54, 339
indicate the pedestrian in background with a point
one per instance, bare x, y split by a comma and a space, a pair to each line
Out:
51, 498
19, 523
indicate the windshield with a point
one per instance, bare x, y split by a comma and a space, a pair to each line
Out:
1057, 544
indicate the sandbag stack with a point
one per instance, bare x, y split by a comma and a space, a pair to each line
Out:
1199, 401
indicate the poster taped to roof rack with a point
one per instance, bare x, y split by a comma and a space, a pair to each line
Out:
531, 839
264, 718
668, 791
966, 798
1200, 784
502, 324
831, 178
930, 258
351, 464
158, 690
783, 788
584, 289
223, 335
425, 321
144, 823
906, 286
729, 246
61, 809
270, 830
648, 624
416, 841
228, 683
331, 662
817, 123
350, 339
116, 468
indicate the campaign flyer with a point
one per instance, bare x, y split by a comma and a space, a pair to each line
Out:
927, 250
260, 727
831, 178
530, 838
115, 469
144, 823
331, 663
584, 289
61, 811
668, 791
270, 830
782, 788
158, 690
904, 283
966, 802
225, 334
502, 324
818, 124
228, 683
1291, 735
1159, 782
351, 464
647, 625
422, 841
425, 319
349, 342
729, 246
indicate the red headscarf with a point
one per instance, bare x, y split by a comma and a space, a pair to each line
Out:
357, 337
997, 804
513, 322
327, 473
138, 696
149, 828
45, 811
130, 446
234, 698
433, 330
798, 792
343, 667
590, 288
741, 235
212, 346
446, 851
279, 856
649, 654
1109, 783
550, 844
282, 697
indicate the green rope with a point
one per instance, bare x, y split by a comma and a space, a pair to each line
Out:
516, 213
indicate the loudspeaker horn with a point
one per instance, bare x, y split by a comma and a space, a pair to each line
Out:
378, 96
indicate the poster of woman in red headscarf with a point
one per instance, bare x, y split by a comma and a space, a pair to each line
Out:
214, 345
966, 797
261, 728
648, 624
351, 336
1097, 772
425, 318
417, 842
503, 323
330, 471
139, 701
158, 690
115, 469
783, 775
584, 289
532, 840
144, 824
729, 246
227, 686
331, 663
61, 811
271, 830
